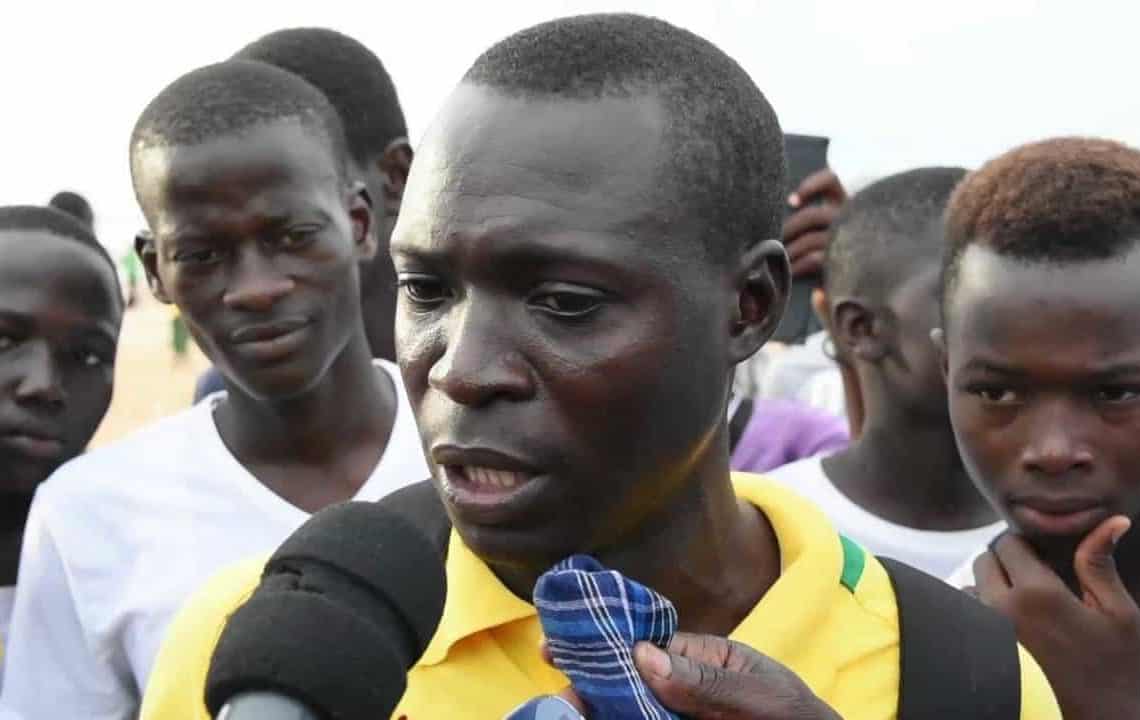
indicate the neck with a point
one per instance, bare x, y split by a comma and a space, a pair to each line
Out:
711, 554
13, 516
907, 470
351, 405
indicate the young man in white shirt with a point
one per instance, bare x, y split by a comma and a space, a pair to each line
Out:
899, 489
258, 229
1041, 349
60, 312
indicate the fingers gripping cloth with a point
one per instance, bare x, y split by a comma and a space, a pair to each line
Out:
592, 617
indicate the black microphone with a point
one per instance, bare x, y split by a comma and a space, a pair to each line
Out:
345, 607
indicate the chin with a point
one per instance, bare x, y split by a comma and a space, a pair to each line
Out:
518, 549
283, 383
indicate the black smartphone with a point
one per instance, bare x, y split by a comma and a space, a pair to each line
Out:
806, 154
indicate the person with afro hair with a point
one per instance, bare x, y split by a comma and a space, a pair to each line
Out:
1040, 343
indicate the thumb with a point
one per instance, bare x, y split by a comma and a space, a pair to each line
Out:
682, 684
1096, 568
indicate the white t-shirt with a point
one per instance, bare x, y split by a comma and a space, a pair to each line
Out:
7, 598
118, 538
805, 374
937, 553
963, 575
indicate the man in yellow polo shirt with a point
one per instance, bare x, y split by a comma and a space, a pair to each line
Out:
584, 256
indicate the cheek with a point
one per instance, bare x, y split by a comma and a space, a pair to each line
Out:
417, 347
985, 448
90, 395
638, 395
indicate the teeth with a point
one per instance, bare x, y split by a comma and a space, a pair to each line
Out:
489, 477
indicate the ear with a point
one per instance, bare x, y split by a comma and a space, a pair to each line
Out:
148, 254
938, 337
762, 282
394, 164
859, 330
360, 213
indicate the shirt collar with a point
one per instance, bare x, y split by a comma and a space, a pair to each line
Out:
476, 601
811, 561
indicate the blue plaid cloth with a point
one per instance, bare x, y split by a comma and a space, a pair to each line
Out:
592, 617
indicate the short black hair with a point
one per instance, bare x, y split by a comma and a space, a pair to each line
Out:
231, 97
74, 205
884, 228
350, 76
56, 222
1061, 200
727, 167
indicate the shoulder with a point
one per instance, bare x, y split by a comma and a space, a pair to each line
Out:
177, 683
799, 473
129, 466
963, 577
1037, 699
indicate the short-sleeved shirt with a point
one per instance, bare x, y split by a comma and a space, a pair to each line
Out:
120, 537
935, 552
831, 618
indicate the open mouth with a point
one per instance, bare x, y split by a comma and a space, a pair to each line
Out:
488, 486
495, 484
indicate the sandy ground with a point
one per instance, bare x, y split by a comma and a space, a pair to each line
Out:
150, 382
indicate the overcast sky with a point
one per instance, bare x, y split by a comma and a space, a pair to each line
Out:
894, 84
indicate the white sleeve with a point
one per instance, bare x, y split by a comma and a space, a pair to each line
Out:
53, 667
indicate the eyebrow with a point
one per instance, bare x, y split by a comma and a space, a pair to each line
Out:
991, 367
1105, 373
515, 253
267, 223
101, 328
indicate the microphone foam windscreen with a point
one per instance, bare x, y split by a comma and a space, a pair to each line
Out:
345, 607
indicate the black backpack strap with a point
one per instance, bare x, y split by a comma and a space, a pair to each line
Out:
738, 422
420, 503
958, 657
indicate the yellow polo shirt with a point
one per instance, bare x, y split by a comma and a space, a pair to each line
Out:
831, 618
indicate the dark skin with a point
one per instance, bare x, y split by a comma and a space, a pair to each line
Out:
807, 231
60, 313
384, 177
258, 238
548, 327
710, 678
1043, 368
904, 465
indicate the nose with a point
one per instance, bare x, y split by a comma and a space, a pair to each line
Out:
39, 382
1056, 446
255, 283
480, 362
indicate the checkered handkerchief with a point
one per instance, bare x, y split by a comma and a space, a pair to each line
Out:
592, 617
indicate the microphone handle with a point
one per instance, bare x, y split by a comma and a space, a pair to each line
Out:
265, 706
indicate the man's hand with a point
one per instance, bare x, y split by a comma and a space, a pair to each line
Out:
1089, 647
808, 230
710, 678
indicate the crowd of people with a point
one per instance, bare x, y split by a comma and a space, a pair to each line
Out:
549, 312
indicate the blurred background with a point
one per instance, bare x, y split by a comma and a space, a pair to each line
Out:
894, 84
